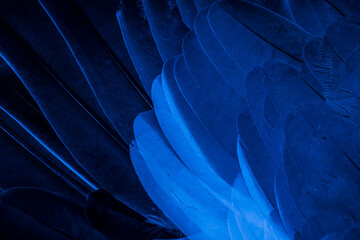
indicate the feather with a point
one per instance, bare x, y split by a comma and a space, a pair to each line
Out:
166, 26
348, 8
281, 7
321, 61
224, 64
319, 14
251, 43
23, 118
248, 217
283, 93
115, 220
353, 234
118, 89
140, 45
102, 17
340, 30
310, 80
23, 166
182, 145
287, 92
213, 120
321, 178
234, 230
201, 4
253, 132
56, 165
64, 115
160, 196
337, 77
258, 219
342, 130
342, 92
256, 163
290, 214
177, 181
31, 23
290, 43
257, 98
201, 104
197, 134
32, 218
222, 100
187, 11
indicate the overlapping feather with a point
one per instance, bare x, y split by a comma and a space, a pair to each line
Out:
246, 118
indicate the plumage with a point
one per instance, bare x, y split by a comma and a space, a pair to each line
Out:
256, 164
15, 109
140, 44
64, 114
346, 29
115, 220
166, 26
347, 8
194, 199
250, 43
225, 104
169, 119
183, 144
319, 14
320, 158
197, 134
290, 214
115, 78
216, 53
201, 4
187, 10
22, 219
160, 196
35, 171
28, 19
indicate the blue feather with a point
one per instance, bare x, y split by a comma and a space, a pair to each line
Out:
217, 158
321, 178
187, 11
177, 181
253, 132
166, 26
64, 114
112, 87
319, 14
225, 103
32, 217
251, 43
201, 4
160, 196
224, 64
140, 45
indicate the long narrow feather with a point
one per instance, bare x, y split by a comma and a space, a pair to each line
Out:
140, 44
64, 115
118, 87
188, 192
166, 26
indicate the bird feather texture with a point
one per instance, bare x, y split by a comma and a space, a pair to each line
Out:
180, 119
